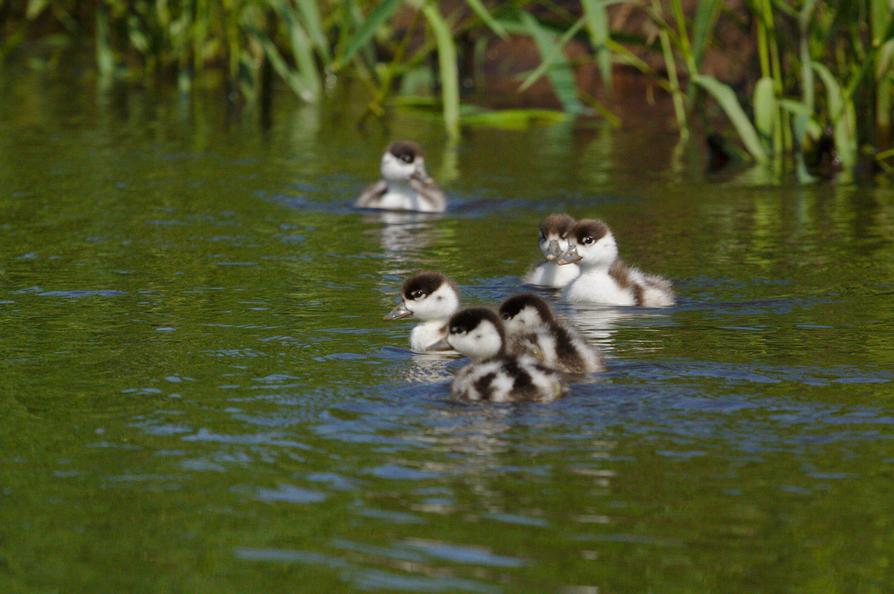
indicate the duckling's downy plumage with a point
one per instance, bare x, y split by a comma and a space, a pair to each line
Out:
604, 278
432, 298
405, 184
494, 374
553, 243
532, 328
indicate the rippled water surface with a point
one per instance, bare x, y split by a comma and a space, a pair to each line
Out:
198, 394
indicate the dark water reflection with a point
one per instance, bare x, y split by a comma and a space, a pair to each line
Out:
198, 392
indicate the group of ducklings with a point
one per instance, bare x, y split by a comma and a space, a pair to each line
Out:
522, 351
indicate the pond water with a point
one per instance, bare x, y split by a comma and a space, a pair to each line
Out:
198, 392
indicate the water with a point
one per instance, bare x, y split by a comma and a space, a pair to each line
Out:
198, 393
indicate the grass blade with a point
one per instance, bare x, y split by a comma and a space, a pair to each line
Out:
597, 24
447, 67
725, 96
559, 72
486, 17
379, 15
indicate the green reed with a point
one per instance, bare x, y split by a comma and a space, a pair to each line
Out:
823, 68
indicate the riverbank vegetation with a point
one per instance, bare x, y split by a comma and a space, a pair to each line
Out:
814, 97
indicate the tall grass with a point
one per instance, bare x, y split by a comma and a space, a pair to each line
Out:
823, 69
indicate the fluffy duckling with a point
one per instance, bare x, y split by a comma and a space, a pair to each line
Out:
494, 374
405, 185
604, 278
553, 243
432, 298
533, 329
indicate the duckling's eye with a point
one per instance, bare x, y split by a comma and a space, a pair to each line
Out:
406, 158
507, 317
417, 294
588, 240
457, 330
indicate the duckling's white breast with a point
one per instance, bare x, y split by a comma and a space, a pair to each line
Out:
425, 335
598, 287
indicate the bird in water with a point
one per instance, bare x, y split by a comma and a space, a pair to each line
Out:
495, 374
405, 184
431, 298
604, 278
553, 243
532, 328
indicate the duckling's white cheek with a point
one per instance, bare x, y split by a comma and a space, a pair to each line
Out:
394, 169
528, 318
458, 342
512, 326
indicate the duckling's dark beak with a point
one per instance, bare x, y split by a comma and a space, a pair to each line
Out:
399, 312
570, 256
553, 251
441, 345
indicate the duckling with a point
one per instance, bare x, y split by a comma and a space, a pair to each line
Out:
494, 374
553, 243
405, 184
604, 278
533, 329
432, 298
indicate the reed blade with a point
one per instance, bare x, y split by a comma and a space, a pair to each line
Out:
706, 14
726, 98
376, 19
842, 116
447, 68
478, 7
314, 26
105, 56
560, 73
764, 109
302, 52
557, 53
596, 17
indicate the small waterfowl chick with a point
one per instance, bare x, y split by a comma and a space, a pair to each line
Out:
553, 243
604, 278
532, 328
494, 374
431, 298
405, 185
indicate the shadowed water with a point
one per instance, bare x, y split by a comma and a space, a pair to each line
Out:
198, 393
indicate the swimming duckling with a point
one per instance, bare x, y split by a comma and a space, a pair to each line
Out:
533, 329
405, 184
432, 298
494, 374
604, 278
553, 243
